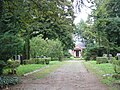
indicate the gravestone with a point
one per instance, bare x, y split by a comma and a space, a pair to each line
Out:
118, 55
18, 57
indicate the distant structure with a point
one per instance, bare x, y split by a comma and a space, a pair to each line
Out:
77, 50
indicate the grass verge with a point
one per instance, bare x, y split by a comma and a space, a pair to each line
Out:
102, 71
51, 67
22, 69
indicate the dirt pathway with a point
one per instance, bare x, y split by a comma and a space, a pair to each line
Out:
72, 76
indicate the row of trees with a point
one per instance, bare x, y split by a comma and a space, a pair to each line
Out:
21, 20
102, 29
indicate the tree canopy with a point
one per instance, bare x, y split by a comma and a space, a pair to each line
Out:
102, 28
21, 20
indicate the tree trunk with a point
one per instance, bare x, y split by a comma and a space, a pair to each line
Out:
26, 53
27, 49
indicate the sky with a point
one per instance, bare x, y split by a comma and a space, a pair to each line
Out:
84, 11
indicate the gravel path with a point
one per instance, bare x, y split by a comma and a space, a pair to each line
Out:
72, 76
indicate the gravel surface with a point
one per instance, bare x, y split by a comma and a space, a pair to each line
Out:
71, 76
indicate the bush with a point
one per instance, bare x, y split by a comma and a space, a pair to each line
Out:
47, 60
116, 76
37, 61
2, 65
12, 65
8, 80
100, 60
90, 53
87, 56
54, 59
111, 59
28, 61
116, 64
67, 54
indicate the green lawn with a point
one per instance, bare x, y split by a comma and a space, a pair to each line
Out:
22, 69
100, 70
52, 67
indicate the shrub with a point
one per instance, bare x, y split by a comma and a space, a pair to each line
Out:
67, 54
37, 61
8, 80
100, 60
87, 56
111, 59
29, 61
116, 64
12, 65
47, 60
90, 53
2, 65
116, 76
54, 59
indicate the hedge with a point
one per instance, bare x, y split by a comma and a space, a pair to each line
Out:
37, 61
116, 64
100, 60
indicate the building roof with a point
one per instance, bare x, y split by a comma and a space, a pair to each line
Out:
80, 44
77, 48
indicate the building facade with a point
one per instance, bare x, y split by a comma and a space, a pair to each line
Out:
77, 50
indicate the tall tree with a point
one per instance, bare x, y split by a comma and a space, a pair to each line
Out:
29, 18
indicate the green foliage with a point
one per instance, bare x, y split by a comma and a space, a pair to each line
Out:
106, 24
2, 65
23, 69
100, 60
87, 55
55, 49
37, 61
100, 70
12, 65
9, 46
67, 54
91, 52
5, 81
39, 47
48, 48
50, 18
86, 32
116, 76
101, 29
28, 62
116, 64
10, 40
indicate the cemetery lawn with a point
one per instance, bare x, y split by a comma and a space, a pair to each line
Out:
51, 68
23, 69
103, 72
